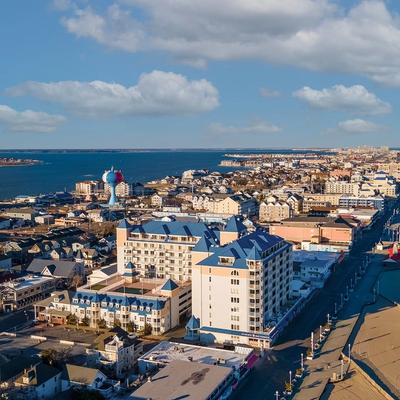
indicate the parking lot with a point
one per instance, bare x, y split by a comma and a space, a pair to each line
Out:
60, 332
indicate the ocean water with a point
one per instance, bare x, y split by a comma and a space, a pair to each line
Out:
60, 170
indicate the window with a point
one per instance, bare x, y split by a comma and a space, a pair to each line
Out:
235, 273
235, 282
234, 299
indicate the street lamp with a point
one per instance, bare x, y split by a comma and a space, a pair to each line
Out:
349, 353
302, 362
276, 395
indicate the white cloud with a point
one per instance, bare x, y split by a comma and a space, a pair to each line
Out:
156, 93
28, 120
265, 92
353, 99
115, 29
256, 127
62, 5
313, 34
359, 126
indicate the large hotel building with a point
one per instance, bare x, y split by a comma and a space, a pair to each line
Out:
235, 284
240, 280
240, 287
161, 249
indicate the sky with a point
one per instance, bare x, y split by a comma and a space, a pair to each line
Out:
199, 74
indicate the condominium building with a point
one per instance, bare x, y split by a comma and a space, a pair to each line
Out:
384, 184
239, 287
123, 189
124, 301
237, 204
320, 200
377, 202
342, 187
161, 249
89, 188
274, 211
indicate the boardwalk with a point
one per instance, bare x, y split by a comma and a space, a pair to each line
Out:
321, 369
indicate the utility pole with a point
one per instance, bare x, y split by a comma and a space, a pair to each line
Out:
302, 362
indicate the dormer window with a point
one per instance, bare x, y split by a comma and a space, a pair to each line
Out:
226, 260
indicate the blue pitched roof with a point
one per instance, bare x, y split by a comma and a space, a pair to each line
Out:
175, 228
169, 285
254, 254
129, 265
124, 224
123, 299
234, 224
204, 244
193, 323
243, 249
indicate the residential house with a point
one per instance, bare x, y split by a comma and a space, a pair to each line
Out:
40, 382
62, 270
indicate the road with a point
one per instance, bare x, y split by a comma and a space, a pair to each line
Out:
16, 320
271, 372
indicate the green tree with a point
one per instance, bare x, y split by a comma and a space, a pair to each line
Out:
102, 324
71, 319
147, 329
54, 358
131, 327
117, 323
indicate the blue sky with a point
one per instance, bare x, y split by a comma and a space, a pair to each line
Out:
146, 73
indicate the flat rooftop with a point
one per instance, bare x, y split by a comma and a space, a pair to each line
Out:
377, 344
27, 281
304, 255
183, 380
167, 352
389, 285
355, 387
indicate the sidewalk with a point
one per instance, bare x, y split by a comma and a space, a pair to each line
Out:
320, 370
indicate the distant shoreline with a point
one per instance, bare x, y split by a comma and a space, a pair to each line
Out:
180, 150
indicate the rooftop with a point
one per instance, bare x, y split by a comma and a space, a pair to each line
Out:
27, 281
248, 247
167, 352
183, 380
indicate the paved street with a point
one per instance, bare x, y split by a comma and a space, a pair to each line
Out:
15, 320
271, 372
